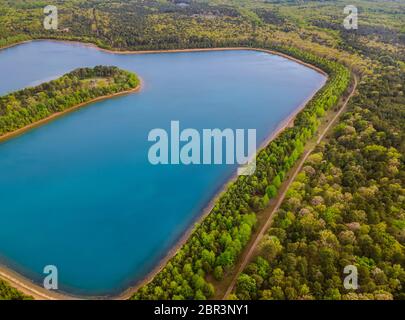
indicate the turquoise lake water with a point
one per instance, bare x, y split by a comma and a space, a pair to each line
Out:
79, 192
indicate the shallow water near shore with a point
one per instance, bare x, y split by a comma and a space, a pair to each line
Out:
79, 192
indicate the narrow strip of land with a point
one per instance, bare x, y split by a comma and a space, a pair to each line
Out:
275, 204
56, 115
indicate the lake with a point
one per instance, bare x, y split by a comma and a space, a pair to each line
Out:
79, 192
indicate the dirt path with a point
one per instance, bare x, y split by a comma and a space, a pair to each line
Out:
276, 203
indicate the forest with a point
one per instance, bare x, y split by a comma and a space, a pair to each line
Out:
347, 204
24, 107
346, 207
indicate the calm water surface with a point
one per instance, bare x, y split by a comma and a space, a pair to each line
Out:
79, 192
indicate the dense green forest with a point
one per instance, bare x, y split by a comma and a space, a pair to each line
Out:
347, 204
346, 207
29, 105
153, 24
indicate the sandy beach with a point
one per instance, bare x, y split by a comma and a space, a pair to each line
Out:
28, 287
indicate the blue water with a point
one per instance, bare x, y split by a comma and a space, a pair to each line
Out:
79, 192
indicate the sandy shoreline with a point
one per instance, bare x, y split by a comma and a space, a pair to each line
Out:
15, 44
30, 288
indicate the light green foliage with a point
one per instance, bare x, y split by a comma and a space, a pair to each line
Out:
351, 210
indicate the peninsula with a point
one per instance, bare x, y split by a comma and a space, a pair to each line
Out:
33, 106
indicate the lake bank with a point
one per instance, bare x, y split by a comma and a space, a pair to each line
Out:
28, 287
